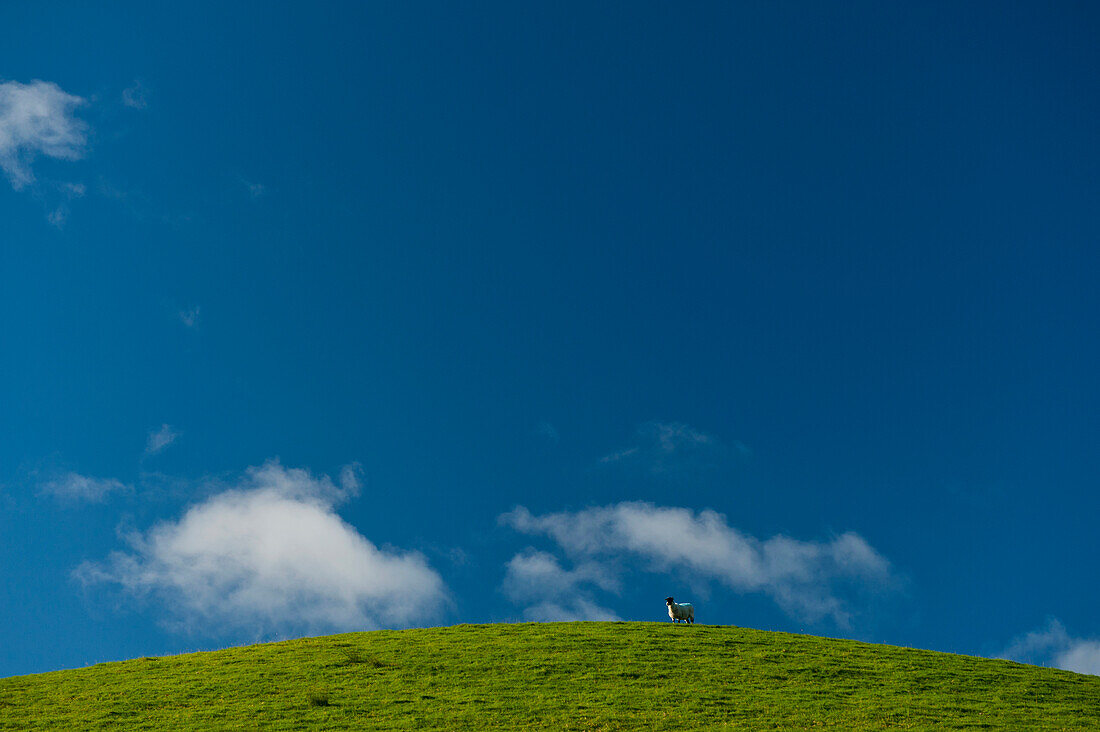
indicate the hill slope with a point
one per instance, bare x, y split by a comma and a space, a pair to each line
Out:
556, 676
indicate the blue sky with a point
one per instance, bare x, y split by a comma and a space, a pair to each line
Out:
346, 317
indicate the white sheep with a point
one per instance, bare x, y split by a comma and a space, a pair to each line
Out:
680, 611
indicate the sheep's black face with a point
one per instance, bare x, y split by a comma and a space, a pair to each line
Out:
668, 600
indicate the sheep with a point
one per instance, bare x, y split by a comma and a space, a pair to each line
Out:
680, 611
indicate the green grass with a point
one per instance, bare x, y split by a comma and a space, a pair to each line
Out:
556, 676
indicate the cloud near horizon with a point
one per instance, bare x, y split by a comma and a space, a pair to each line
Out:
1053, 646
270, 554
552, 593
37, 119
807, 579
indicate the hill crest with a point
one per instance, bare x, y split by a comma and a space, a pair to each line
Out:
596, 675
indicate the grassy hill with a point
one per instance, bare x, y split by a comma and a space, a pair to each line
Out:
556, 676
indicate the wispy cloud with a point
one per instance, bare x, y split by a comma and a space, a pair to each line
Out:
548, 432
270, 554
73, 487
37, 119
808, 580
60, 213
58, 217
620, 455
160, 439
662, 447
550, 592
190, 316
255, 190
135, 96
578, 608
672, 436
1053, 646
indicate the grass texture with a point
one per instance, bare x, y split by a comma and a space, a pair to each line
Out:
557, 676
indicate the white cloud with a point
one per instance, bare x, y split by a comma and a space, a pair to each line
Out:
1053, 646
75, 487
37, 119
160, 439
1082, 656
270, 554
551, 592
807, 579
